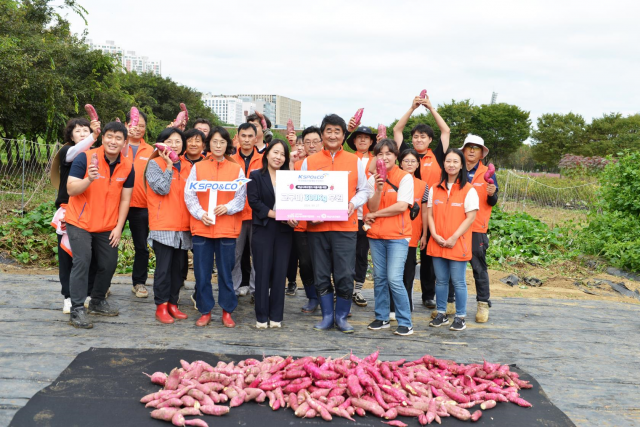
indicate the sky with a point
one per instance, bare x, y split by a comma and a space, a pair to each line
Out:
337, 56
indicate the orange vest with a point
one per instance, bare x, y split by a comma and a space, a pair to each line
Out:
481, 224
139, 196
96, 209
169, 212
419, 187
448, 214
302, 225
254, 164
229, 226
371, 157
430, 171
393, 227
342, 161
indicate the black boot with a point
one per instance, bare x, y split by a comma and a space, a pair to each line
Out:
312, 295
343, 307
102, 308
326, 305
292, 287
78, 318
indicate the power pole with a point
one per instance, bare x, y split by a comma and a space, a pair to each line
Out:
494, 98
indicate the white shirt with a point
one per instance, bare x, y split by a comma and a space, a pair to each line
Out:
193, 203
363, 163
405, 189
471, 201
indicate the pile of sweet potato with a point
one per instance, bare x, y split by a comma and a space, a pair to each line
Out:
428, 388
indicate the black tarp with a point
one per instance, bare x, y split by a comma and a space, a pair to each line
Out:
102, 387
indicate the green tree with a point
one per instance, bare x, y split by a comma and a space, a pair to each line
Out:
503, 127
611, 133
557, 135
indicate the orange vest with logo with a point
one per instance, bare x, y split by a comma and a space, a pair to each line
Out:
419, 187
169, 212
254, 164
96, 209
229, 226
342, 161
430, 171
302, 225
481, 224
397, 226
139, 196
448, 214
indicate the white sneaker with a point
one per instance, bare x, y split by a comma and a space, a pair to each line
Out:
66, 306
392, 315
260, 325
244, 290
86, 302
273, 324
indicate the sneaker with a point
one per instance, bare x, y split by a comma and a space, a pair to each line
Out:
430, 303
392, 316
292, 287
458, 324
260, 325
193, 298
102, 308
140, 291
273, 324
86, 302
378, 324
440, 320
78, 319
243, 290
253, 299
359, 299
66, 306
403, 330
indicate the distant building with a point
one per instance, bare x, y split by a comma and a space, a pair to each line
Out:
228, 109
128, 58
278, 108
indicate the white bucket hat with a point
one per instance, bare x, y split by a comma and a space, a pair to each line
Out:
475, 140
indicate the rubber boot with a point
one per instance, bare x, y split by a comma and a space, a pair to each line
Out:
204, 320
162, 314
482, 315
343, 307
311, 305
227, 320
326, 305
175, 312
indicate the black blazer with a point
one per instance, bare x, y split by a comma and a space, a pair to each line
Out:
262, 197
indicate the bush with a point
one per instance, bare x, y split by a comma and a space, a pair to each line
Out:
572, 165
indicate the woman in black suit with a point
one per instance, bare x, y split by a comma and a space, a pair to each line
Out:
271, 240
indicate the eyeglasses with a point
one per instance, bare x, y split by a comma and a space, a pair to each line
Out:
410, 162
218, 143
316, 142
473, 147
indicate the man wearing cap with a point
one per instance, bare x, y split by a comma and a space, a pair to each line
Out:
430, 171
361, 141
474, 151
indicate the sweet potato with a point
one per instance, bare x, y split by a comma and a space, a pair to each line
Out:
217, 410
368, 406
170, 402
395, 423
361, 411
174, 158
92, 113
409, 411
423, 94
391, 414
290, 127
319, 374
94, 162
315, 405
513, 398
381, 169
459, 413
173, 380
358, 116
186, 113
476, 416
164, 414
302, 410
190, 411
382, 131
178, 419
196, 422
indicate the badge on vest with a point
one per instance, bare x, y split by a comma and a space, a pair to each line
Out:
457, 205
143, 158
437, 202
428, 164
120, 179
478, 184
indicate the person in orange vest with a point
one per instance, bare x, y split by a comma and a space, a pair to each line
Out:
219, 238
361, 140
249, 160
312, 140
79, 136
98, 205
389, 232
271, 239
195, 146
451, 210
256, 120
430, 170
169, 222
409, 162
139, 153
333, 243
474, 151
204, 126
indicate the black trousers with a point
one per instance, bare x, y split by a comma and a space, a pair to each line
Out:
333, 252
139, 225
65, 264
185, 265
362, 252
167, 280
245, 263
292, 269
479, 246
408, 277
427, 274
271, 247
301, 244
85, 247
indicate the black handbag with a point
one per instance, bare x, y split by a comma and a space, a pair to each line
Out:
414, 209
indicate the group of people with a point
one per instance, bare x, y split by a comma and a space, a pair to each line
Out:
436, 202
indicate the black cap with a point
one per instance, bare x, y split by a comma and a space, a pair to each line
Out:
361, 130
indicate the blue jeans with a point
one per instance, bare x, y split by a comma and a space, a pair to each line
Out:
456, 270
225, 252
388, 258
